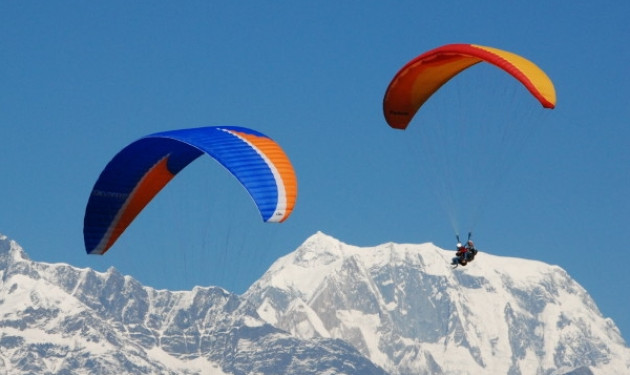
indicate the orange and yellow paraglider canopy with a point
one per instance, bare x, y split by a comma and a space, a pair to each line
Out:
414, 84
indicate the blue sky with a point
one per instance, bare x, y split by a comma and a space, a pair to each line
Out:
80, 80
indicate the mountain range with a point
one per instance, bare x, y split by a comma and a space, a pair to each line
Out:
325, 308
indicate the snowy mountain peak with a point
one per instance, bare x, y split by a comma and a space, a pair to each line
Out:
57, 319
403, 306
328, 307
319, 242
10, 251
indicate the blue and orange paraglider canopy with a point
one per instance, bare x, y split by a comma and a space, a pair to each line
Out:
421, 77
139, 171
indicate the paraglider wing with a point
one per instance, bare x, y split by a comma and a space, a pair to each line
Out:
414, 84
139, 171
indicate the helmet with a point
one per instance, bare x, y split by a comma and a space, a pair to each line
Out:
470, 243
459, 244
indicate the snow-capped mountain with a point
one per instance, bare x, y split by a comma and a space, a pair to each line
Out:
57, 319
326, 308
402, 306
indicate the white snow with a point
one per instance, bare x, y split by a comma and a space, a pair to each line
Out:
484, 307
401, 305
198, 366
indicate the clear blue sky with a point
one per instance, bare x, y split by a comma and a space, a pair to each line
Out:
80, 80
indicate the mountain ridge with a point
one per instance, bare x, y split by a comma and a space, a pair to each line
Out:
327, 307
58, 319
498, 314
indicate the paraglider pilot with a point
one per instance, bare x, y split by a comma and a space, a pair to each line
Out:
465, 253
